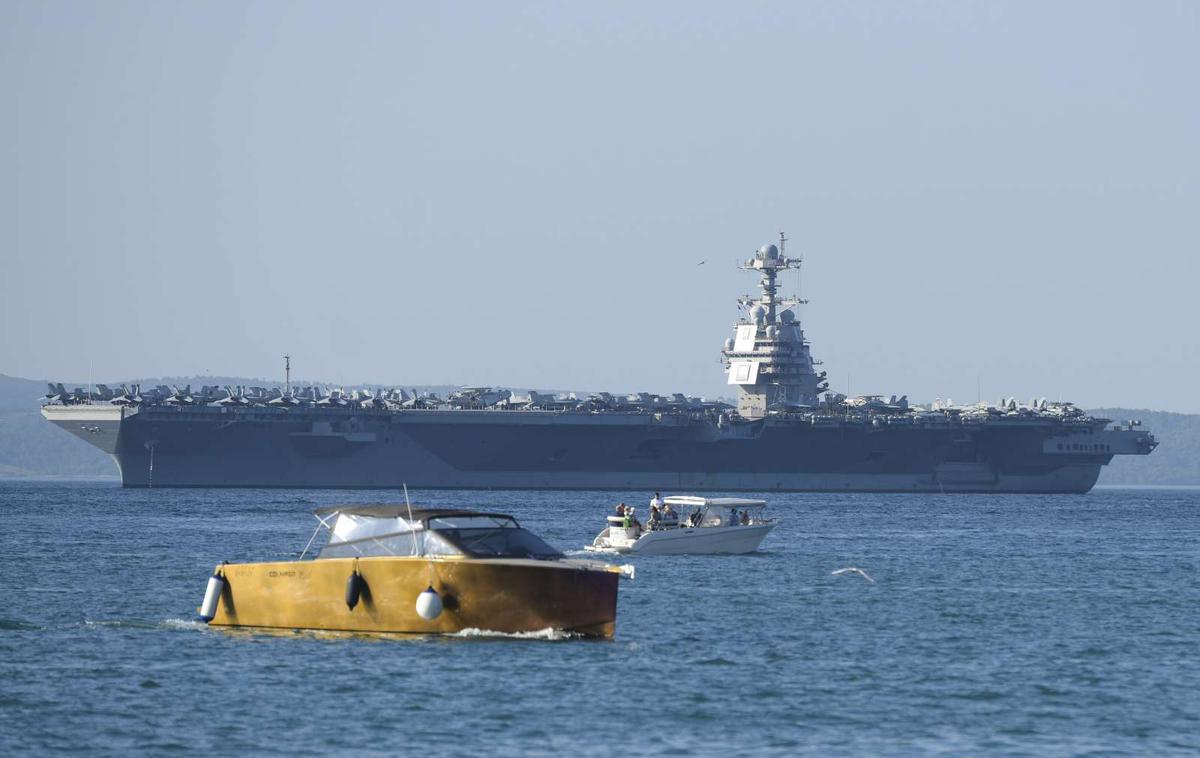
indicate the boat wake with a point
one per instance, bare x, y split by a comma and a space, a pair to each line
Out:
120, 623
553, 635
591, 552
549, 634
168, 623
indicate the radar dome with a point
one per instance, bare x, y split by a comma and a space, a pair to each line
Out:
771, 332
758, 313
729, 344
787, 317
768, 252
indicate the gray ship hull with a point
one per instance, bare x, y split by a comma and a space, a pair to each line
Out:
460, 449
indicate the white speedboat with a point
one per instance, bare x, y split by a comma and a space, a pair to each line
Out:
702, 525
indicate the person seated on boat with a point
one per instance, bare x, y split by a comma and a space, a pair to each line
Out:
669, 516
745, 518
733, 517
621, 509
631, 519
655, 516
694, 519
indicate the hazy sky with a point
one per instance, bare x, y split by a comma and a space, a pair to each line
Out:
986, 194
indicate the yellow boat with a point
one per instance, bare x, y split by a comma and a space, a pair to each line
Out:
392, 568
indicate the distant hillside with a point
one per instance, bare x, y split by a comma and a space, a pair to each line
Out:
31, 447
1175, 461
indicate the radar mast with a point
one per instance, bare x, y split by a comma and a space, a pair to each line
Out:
768, 358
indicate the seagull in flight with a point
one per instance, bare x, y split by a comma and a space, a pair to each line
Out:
701, 263
853, 570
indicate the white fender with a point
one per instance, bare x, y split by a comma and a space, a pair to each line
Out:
212, 596
429, 604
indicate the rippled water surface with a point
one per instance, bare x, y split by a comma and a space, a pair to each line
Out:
996, 625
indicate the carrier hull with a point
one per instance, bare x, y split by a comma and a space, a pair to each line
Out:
459, 449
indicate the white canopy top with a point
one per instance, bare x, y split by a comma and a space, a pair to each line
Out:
720, 502
351, 526
364, 531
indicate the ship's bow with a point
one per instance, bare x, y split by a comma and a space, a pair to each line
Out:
98, 425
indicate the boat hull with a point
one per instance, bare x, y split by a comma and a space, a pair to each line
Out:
717, 540
315, 448
502, 595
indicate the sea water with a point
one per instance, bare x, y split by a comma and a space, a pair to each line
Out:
994, 625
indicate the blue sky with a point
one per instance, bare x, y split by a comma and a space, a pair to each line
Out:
991, 195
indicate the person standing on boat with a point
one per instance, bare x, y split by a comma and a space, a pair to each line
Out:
656, 501
733, 517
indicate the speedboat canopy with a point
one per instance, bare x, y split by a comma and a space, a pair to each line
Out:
727, 502
358, 531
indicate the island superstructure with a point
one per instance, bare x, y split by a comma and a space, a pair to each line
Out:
787, 431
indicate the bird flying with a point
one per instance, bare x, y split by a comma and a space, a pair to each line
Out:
853, 570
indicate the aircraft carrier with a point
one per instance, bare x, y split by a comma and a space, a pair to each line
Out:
787, 432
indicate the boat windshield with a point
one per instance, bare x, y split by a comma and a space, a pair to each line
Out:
500, 541
475, 535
